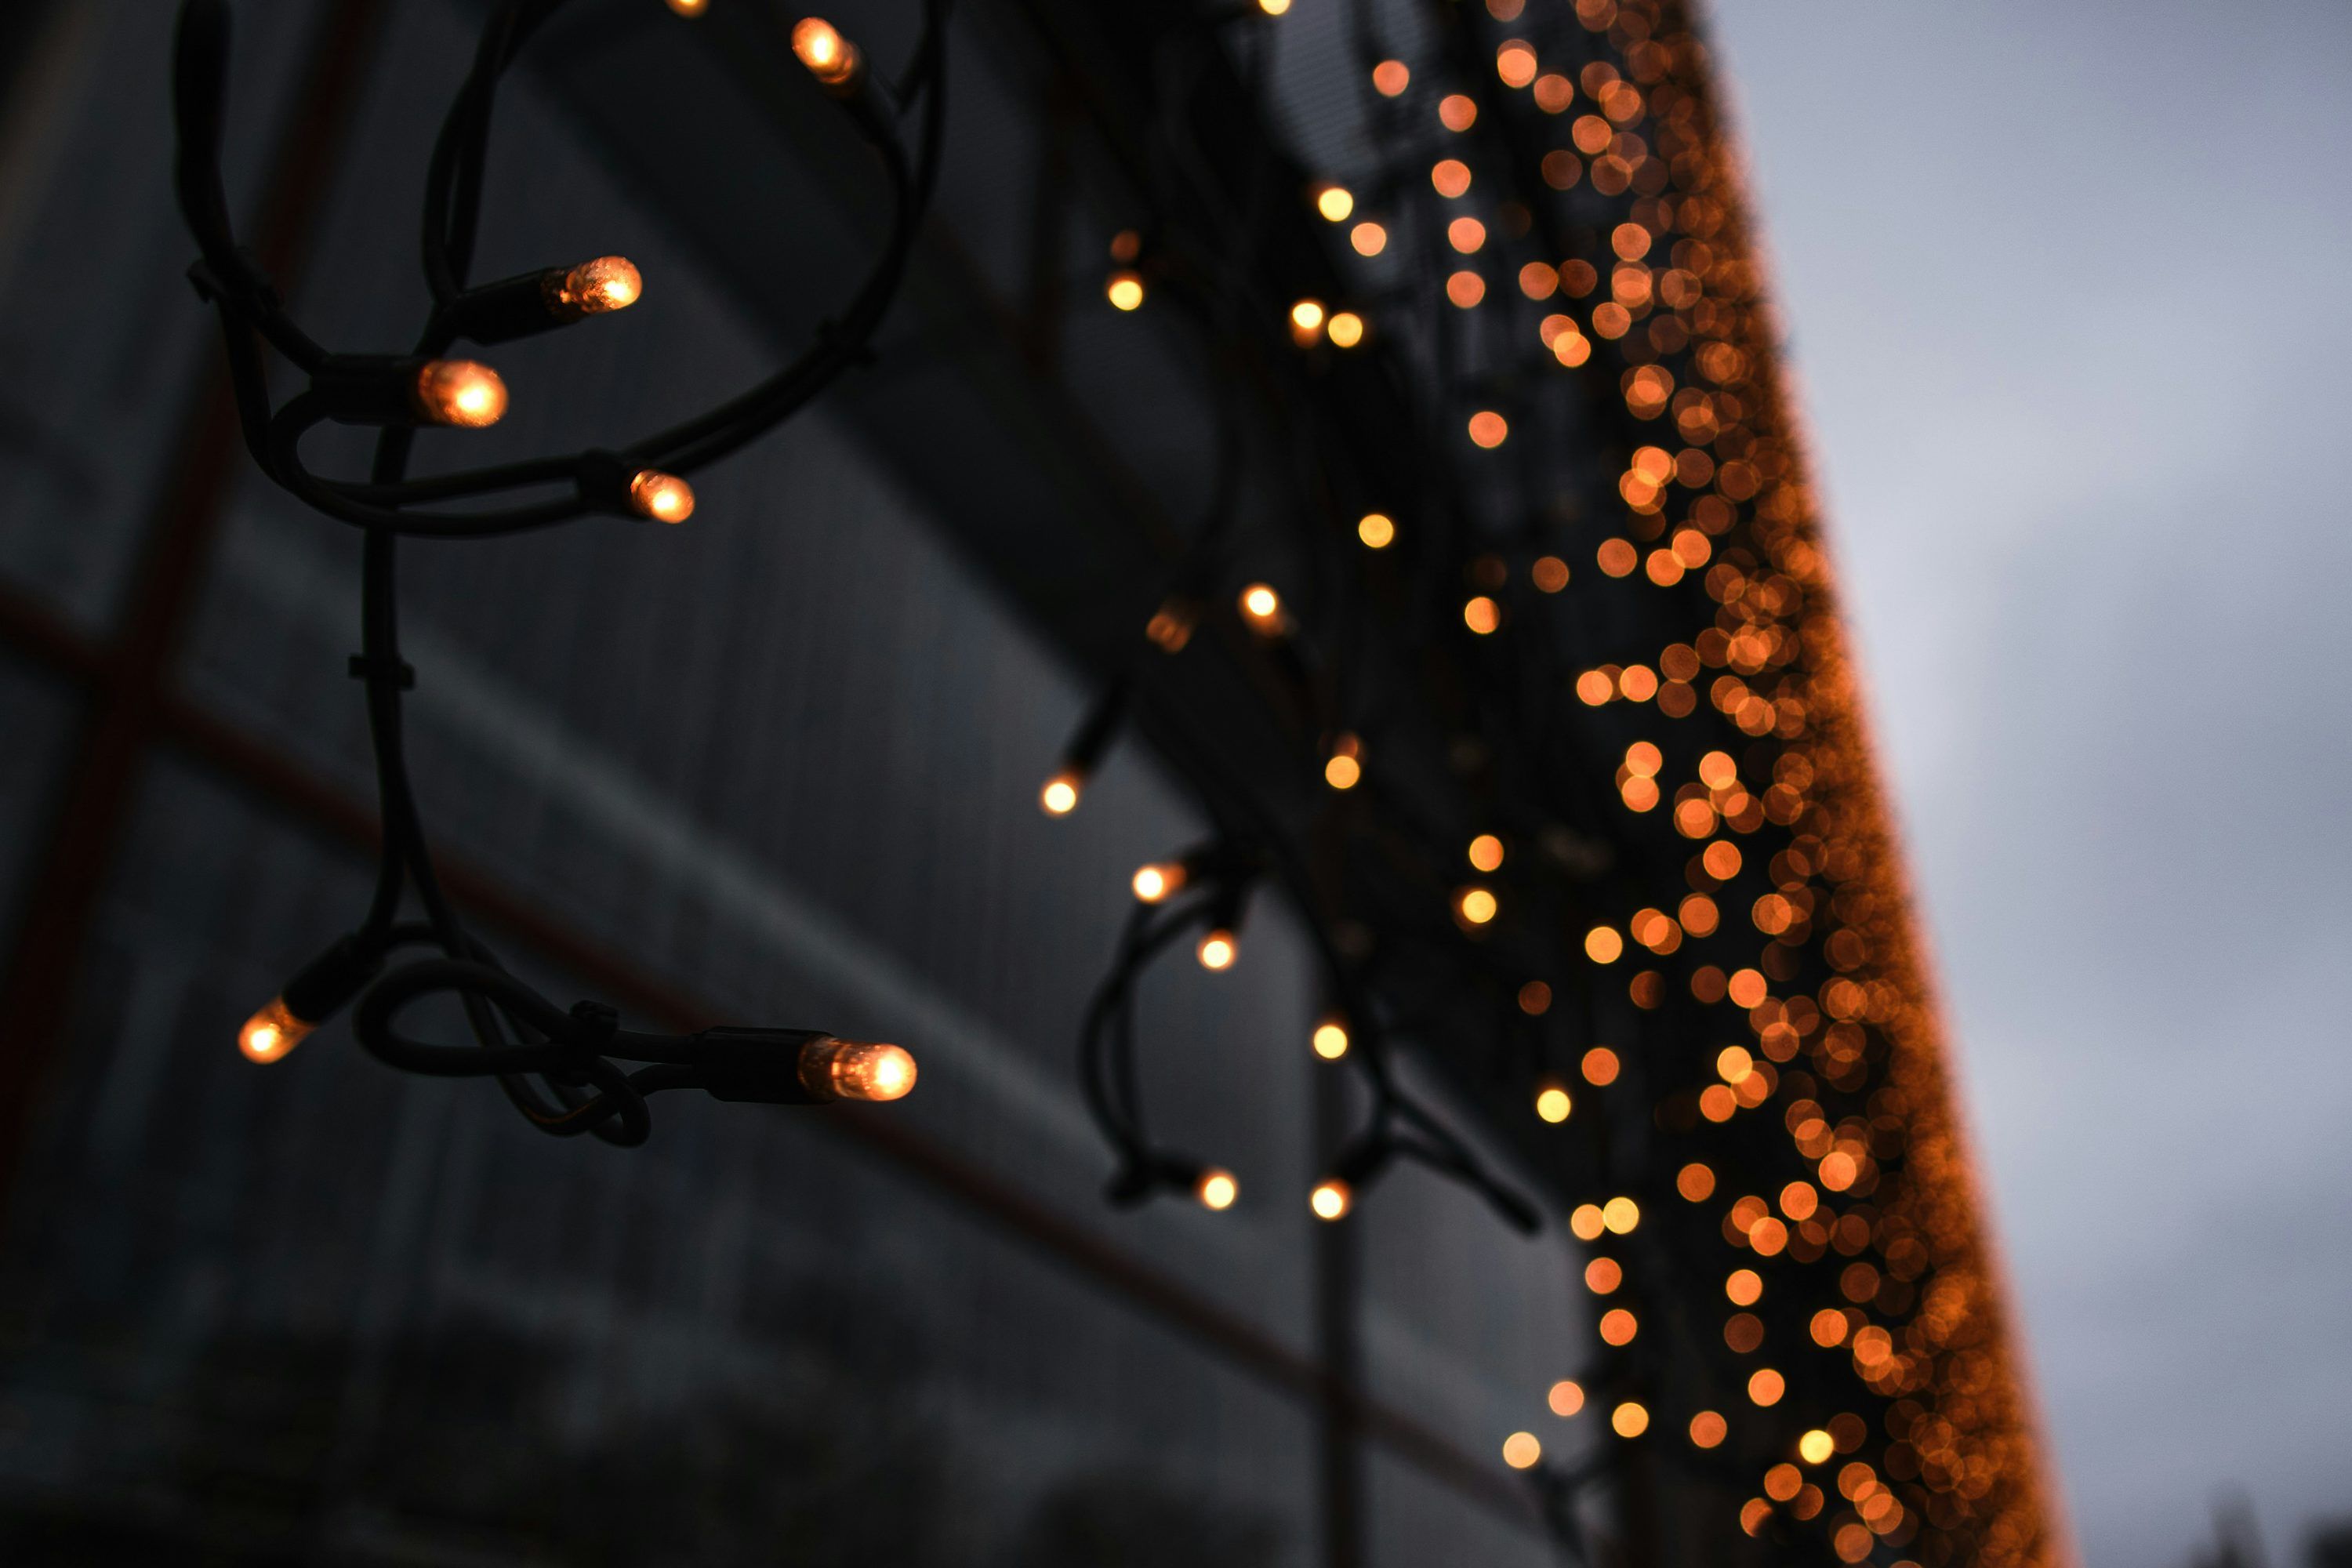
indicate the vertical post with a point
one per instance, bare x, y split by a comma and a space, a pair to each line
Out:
100, 790
1339, 1479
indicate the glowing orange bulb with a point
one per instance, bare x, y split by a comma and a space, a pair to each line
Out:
461, 393
856, 1069
1216, 1189
830, 57
1708, 1429
272, 1032
1482, 615
1217, 950
665, 498
1330, 1039
1553, 1104
1486, 852
1604, 945
1346, 330
1766, 1386
1343, 772
1060, 795
1477, 906
1274, 7
1125, 290
1262, 607
1621, 1215
1331, 1198
1521, 1451
1335, 202
689, 7
1390, 77
1815, 1446
1489, 429
1155, 882
1629, 1420
1376, 531
1369, 239
1306, 321
601, 287
1567, 1398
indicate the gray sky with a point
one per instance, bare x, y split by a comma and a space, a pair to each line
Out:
2070, 291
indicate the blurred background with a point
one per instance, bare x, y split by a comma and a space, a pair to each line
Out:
2064, 287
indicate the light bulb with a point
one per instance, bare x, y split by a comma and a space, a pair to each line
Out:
1306, 321
1629, 1420
272, 1032
1553, 1104
1330, 1039
1335, 202
459, 392
1060, 795
1486, 852
689, 7
1274, 7
1343, 772
1475, 905
1125, 289
830, 57
1331, 1198
1155, 882
1217, 950
1522, 1451
1346, 330
664, 498
1262, 607
1216, 1189
599, 288
1377, 531
856, 1069
1815, 1446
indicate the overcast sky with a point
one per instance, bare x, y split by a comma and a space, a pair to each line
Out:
2067, 288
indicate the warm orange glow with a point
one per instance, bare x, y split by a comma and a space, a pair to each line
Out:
1464, 288
1829, 1328
1521, 1451
1618, 1327
1487, 429
1621, 1215
1216, 1189
1594, 688
1584, 1222
1457, 111
1550, 573
1603, 1275
1346, 330
1466, 235
1781, 1482
1535, 998
1335, 202
1553, 1103
1125, 289
1707, 1430
1616, 557
1732, 1063
1377, 531
1217, 950
1482, 615
1554, 94
601, 287
1343, 770
857, 1069
1695, 1182
1274, 7
1629, 1420
1721, 860
830, 57
1390, 77
1306, 321
1515, 63
689, 7
1331, 1198
270, 1034
1765, 1387
1154, 882
1746, 987
1815, 1446
460, 392
1331, 1039
1475, 905
1604, 945
1798, 1201
1754, 1514
1060, 795
1262, 608
1599, 1067
664, 498
1369, 239
1486, 852
1567, 1398
1450, 176
1745, 1287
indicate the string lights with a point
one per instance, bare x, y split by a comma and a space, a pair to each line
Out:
560, 1068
